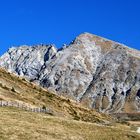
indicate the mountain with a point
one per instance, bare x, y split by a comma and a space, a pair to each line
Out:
97, 72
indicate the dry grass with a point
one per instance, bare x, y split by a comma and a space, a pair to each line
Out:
135, 122
34, 95
16, 124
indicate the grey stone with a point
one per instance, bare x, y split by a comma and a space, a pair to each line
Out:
95, 71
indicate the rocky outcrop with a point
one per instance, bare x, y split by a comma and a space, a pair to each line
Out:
97, 72
27, 61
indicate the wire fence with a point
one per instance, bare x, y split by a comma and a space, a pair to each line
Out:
25, 107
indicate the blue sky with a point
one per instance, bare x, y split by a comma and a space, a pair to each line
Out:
60, 21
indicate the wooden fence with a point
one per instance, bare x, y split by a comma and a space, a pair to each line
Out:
25, 107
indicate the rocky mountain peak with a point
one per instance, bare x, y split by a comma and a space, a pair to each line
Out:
95, 71
83, 38
104, 44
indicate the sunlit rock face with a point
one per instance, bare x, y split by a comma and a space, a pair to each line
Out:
27, 61
71, 70
97, 72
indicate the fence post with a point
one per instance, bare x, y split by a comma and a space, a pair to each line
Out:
24, 106
6, 103
1, 103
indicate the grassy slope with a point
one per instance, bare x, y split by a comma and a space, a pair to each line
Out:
37, 96
17, 124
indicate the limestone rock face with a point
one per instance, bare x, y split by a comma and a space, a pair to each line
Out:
71, 70
97, 72
27, 61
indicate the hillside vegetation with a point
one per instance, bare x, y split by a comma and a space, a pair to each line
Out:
13, 88
16, 124
68, 121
